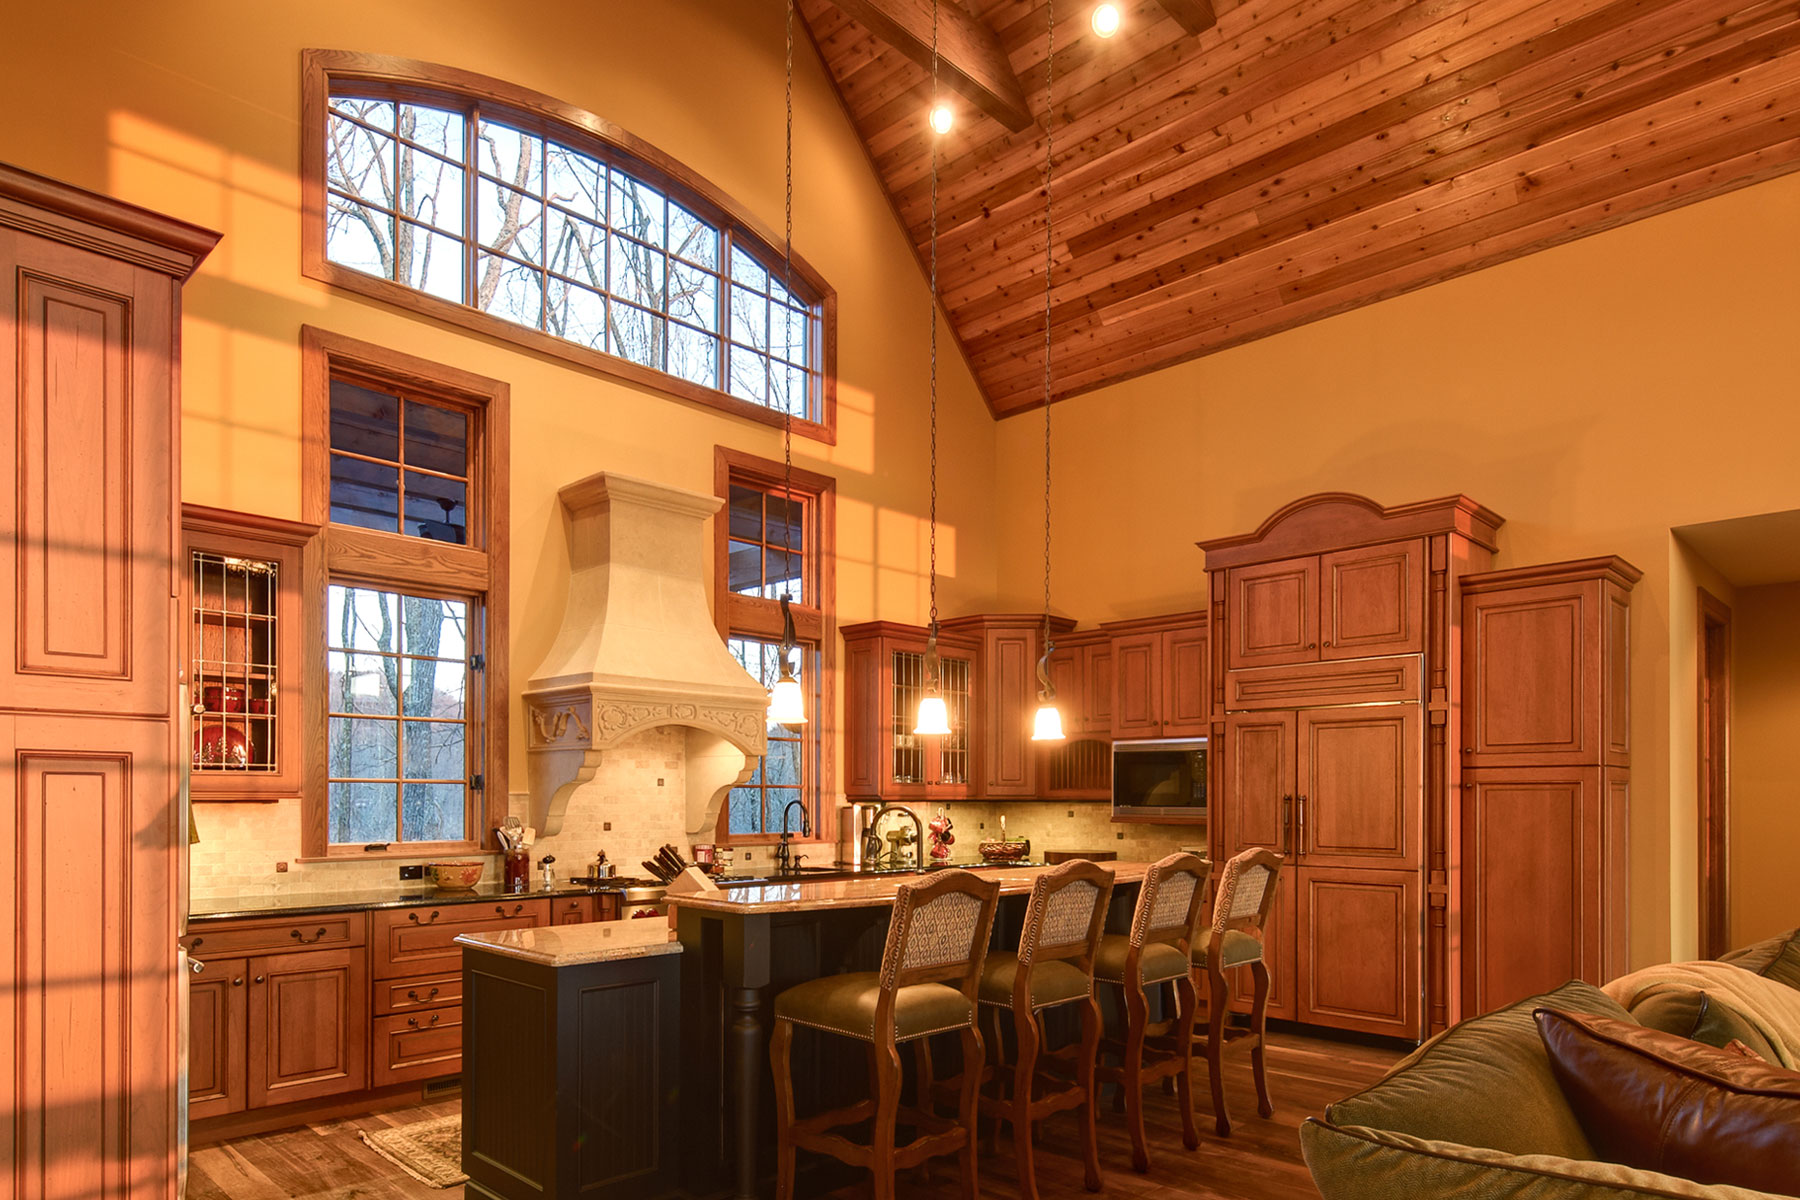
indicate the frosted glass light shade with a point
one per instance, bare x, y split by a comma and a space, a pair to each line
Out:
1106, 20
787, 703
934, 715
943, 119
1047, 725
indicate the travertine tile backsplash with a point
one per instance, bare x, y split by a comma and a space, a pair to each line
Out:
640, 789
1065, 825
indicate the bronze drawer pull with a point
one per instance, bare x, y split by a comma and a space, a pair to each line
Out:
195, 944
414, 917
413, 994
414, 1021
307, 941
517, 909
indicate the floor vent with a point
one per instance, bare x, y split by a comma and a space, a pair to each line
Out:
442, 1089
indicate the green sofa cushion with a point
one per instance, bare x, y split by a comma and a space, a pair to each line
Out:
1484, 1082
1376, 1164
1776, 958
1699, 1016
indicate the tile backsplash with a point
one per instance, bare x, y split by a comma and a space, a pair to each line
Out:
640, 789
1064, 825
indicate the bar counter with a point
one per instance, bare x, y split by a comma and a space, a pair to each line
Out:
745, 944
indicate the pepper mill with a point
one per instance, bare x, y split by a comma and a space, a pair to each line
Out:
549, 872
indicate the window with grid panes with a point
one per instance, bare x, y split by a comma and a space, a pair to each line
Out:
549, 228
776, 542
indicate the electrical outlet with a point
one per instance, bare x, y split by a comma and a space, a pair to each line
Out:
412, 871
606, 827
281, 868
1121, 837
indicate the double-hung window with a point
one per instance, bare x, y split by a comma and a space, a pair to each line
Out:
772, 541
406, 472
511, 213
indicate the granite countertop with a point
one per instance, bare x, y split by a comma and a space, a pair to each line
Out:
866, 892
283, 904
570, 945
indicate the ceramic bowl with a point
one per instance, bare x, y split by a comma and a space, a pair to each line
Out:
1005, 851
454, 876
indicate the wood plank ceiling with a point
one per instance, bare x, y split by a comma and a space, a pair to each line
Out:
1297, 159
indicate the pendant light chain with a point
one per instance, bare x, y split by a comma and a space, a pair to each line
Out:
1049, 261
934, 317
787, 286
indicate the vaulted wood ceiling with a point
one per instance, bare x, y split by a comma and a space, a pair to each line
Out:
1296, 159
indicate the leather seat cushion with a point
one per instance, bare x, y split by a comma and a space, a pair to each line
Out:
1054, 982
1235, 949
1161, 961
845, 1004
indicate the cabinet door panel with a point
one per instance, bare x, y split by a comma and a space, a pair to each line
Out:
1532, 676
1358, 943
1274, 611
415, 1046
1185, 696
1360, 773
865, 735
1137, 685
1066, 676
89, 443
1532, 882
1372, 601
309, 1025
412, 941
217, 996
572, 910
1097, 707
1259, 781
1008, 699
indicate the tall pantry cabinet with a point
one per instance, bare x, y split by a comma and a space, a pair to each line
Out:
93, 831
1335, 692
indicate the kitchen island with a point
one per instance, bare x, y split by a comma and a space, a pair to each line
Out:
570, 1061
743, 945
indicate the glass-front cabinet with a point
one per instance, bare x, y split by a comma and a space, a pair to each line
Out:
242, 655
885, 677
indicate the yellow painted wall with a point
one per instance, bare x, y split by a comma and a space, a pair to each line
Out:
1765, 787
1594, 395
192, 108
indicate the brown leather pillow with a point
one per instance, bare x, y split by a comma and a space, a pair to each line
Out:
1659, 1102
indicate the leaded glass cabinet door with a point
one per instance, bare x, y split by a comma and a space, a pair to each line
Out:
242, 653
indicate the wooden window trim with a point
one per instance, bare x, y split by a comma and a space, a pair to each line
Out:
754, 616
429, 83
351, 555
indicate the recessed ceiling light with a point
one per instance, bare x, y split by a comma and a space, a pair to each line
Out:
1107, 20
942, 118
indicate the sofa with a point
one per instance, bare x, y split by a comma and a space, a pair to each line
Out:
1477, 1110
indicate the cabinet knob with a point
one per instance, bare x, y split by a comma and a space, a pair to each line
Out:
238, 982
258, 979
1327, 645
1468, 749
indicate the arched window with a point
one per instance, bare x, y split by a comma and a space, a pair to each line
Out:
498, 209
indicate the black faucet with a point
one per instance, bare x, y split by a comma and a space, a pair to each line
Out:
786, 861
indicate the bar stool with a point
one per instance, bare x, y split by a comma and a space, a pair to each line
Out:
1054, 966
1240, 911
939, 932
1156, 952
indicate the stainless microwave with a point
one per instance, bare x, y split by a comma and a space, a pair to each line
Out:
1163, 778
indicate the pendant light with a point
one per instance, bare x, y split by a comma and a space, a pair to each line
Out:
934, 714
787, 702
1046, 726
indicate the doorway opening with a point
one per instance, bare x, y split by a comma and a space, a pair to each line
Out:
1713, 674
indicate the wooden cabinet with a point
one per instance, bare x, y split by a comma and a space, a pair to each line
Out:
1545, 797
308, 1025
1160, 669
422, 941
884, 673
95, 837
416, 1046
1006, 700
1357, 936
1351, 603
1546, 665
572, 910
1360, 802
244, 627
1081, 669
218, 1009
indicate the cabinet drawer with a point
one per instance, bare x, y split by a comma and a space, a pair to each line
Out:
217, 939
415, 1046
1304, 685
416, 941
572, 910
417, 991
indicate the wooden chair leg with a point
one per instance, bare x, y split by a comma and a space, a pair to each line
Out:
1215, 1047
1259, 1028
1137, 1016
1187, 998
925, 1078
1090, 1058
780, 1042
1024, 1070
973, 1062
887, 1107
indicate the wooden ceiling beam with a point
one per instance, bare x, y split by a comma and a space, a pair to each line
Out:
1194, 16
970, 59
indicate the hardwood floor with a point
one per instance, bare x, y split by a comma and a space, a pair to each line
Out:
1259, 1161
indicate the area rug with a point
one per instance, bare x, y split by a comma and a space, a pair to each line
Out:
429, 1151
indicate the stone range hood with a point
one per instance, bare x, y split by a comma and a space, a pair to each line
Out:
638, 649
